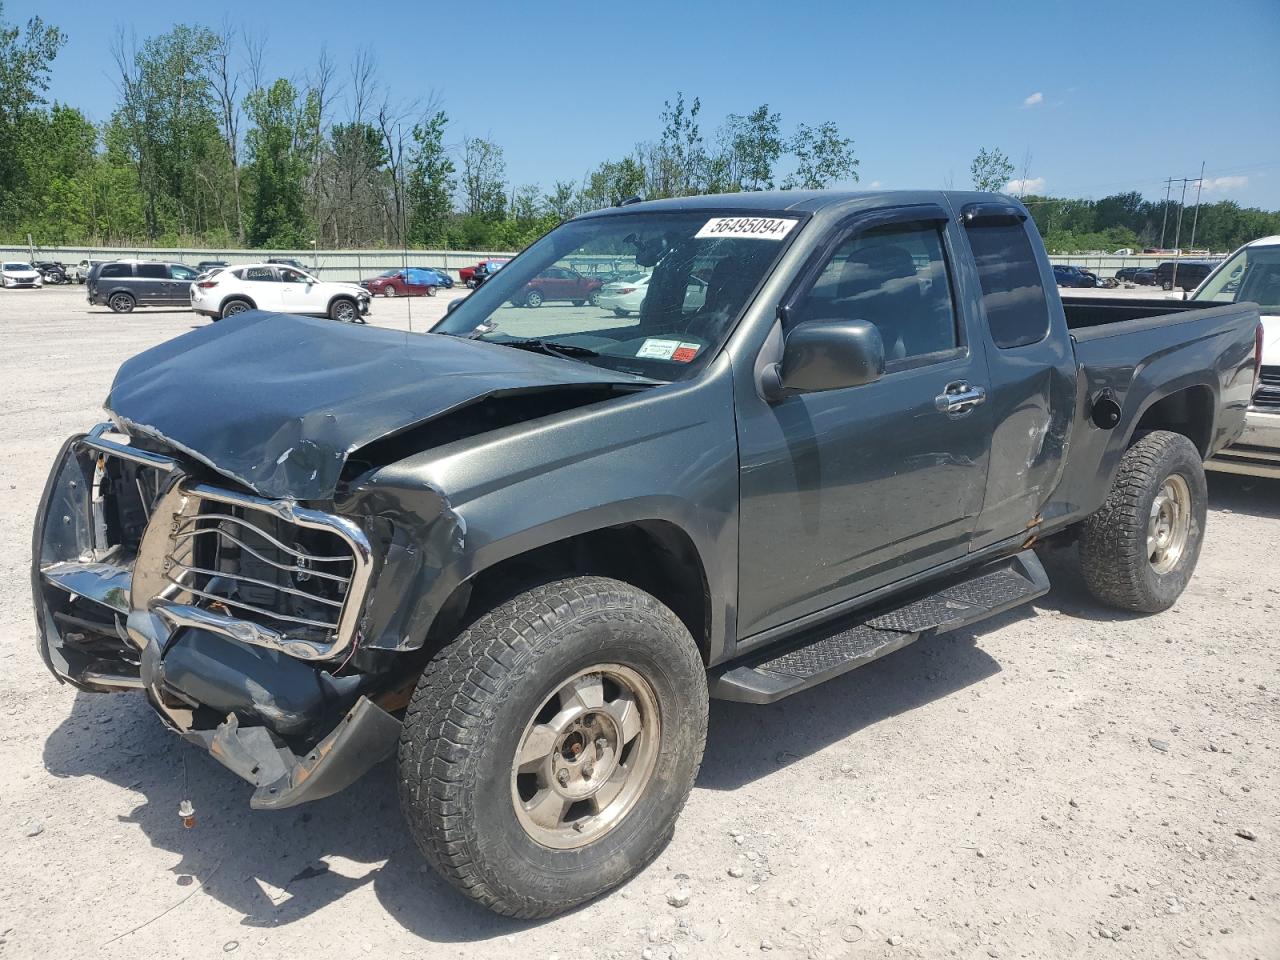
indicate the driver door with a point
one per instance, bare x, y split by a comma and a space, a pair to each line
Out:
848, 490
299, 293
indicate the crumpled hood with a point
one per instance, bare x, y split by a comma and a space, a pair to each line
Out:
278, 402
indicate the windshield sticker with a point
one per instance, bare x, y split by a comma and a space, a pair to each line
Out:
755, 228
657, 349
686, 352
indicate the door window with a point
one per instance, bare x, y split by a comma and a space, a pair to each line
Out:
896, 278
116, 270
260, 274
153, 271
1012, 294
179, 272
292, 276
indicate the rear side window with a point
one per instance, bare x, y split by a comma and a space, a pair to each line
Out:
260, 274
1012, 293
116, 270
153, 271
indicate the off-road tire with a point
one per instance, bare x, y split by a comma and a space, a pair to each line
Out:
1114, 556
464, 723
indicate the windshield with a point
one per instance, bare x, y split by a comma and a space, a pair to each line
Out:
1253, 274
702, 271
17, 266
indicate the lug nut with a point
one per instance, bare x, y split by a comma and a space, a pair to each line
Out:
587, 771
563, 777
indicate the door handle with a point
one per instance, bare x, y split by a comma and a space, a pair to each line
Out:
960, 397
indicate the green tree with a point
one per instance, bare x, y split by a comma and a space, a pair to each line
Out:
823, 157
611, 183
26, 59
991, 170
278, 146
754, 145
431, 183
484, 182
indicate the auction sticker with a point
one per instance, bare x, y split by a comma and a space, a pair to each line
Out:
653, 349
754, 228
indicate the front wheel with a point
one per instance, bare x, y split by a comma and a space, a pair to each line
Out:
619, 312
1138, 551
431, 291
388, 291
548, 750
344, 311
533, 299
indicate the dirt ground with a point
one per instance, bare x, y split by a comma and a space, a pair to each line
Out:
1060, 782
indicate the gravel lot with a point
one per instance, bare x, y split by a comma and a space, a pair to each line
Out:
1060, 782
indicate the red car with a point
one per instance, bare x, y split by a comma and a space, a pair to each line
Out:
402, 283
558, 283
474, 276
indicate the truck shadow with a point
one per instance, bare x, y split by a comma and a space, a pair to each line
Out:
1251, 496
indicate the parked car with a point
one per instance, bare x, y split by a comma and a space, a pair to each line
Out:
276, 289
624, 296
291, 262
1068, 276
445, 281
1252, 274
52, 271
557, 283
15, 274
81, 273
125, 284
474, 276
1146, 277
409, 282
205, 266
1185, 274
564, 535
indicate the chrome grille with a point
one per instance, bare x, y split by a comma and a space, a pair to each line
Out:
1268, 393
254, 564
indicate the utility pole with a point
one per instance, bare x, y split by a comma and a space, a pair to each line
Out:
1196, 218
1168, 186
1177, 236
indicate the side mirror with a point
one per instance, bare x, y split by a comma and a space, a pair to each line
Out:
453, 305
825, 355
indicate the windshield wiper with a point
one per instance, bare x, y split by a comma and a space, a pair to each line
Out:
551, 348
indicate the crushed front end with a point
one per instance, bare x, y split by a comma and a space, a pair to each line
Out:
236, 615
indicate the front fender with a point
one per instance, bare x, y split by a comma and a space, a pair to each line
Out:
669, 455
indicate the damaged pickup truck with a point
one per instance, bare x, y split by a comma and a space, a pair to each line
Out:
524, 550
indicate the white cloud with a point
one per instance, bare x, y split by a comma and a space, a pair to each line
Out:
1029, 185
1224, 184
1032, 100
875, 184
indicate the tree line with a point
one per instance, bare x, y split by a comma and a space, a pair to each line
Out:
205, 147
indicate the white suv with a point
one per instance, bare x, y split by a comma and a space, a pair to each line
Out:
277, 289
1253, 273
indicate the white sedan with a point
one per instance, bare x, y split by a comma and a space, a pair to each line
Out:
20, 275
624, 297
276, 288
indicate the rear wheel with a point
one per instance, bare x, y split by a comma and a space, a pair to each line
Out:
619, 312
548, 750
233, 307
1139, 550
431, 291
122, 302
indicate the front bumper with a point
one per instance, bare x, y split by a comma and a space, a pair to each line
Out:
118, 616
1257, 452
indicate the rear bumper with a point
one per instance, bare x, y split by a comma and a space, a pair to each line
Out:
1257, 452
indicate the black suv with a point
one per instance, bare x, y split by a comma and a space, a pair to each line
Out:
125, 284
1190, 273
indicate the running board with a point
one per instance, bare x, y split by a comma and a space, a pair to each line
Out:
977, 595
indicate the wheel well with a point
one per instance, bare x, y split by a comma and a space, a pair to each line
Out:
233, 298
1188, 412
654, 555
341, 296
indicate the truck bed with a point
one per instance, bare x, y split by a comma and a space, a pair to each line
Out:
1085, 312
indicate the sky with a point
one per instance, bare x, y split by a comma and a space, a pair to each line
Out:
1103, 96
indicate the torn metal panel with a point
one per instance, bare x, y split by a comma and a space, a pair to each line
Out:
222, 394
